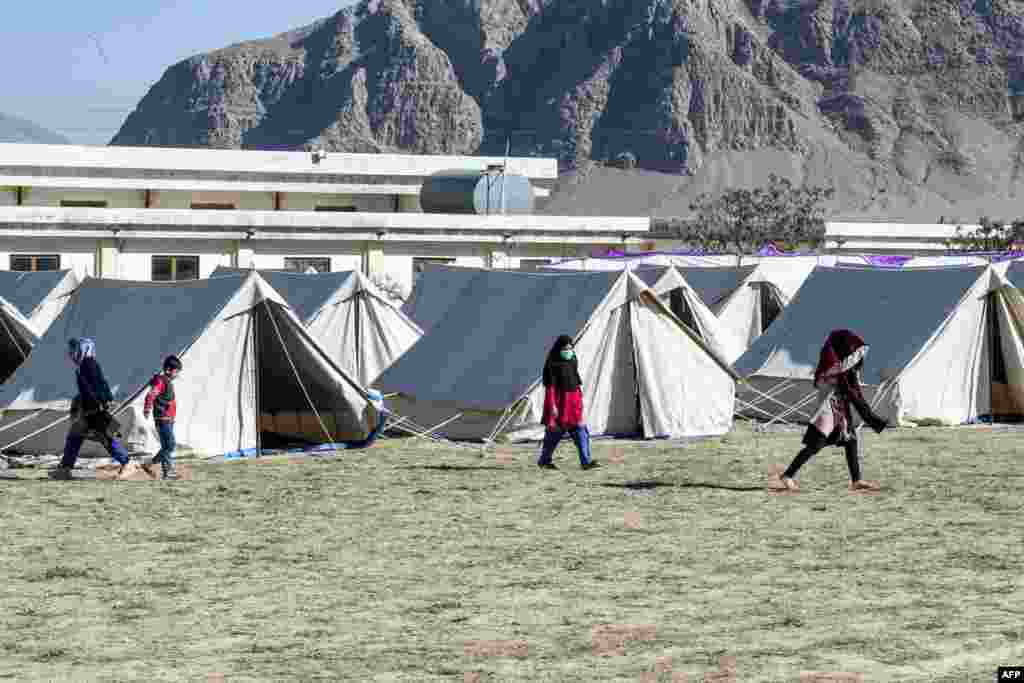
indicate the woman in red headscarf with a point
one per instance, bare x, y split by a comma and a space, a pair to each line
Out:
837, 379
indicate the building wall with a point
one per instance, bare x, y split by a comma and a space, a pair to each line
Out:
181, 199
309, 202
410, 203
135, 260
52, 196
399, 266
396, 259
75, 254
271, 254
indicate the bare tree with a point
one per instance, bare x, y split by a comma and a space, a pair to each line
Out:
990, 235
741, 221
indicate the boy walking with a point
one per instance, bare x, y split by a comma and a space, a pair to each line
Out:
160, 402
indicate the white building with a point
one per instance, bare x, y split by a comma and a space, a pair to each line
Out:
146, 213
890, 238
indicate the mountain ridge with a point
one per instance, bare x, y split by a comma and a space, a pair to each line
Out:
910, 109
18, 130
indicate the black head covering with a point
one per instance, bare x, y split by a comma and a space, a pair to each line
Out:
564, 375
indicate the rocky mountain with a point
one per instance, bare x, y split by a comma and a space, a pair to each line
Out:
14, 129
912, 109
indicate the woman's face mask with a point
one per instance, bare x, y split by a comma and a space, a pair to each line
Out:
567, 353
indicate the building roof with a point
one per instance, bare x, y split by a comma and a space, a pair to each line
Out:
298, 165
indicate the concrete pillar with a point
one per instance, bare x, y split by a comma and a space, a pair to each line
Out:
496, 259
240, 254
372, 260
106, 263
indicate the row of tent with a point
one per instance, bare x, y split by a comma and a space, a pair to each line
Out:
946, 339
665, 351
265, 353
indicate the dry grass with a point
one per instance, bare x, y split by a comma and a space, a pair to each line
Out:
382, 566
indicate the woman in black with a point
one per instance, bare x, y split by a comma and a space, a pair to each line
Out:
563, 404
89, 409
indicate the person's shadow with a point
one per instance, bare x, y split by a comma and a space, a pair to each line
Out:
654, 484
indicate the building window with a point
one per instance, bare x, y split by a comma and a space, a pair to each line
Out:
212, 206
83, 204
34, 262
533, 263
345, 209
420, 262
302, 264
175, 268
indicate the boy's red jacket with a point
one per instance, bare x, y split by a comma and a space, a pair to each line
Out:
160, 398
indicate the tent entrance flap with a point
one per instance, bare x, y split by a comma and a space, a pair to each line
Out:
296, 399
1007, 356
14, 349
678, 305
771, 303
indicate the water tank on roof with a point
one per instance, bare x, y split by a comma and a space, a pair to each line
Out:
476, 192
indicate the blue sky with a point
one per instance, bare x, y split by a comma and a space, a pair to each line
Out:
79, 68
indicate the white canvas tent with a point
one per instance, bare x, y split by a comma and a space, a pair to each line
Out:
17, 337
678, 294
250, 367
643, 371
744, 300
39, 295
351, 319
786, 273
1014, 272
935, 337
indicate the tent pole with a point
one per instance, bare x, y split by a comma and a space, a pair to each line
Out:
424, 433
14, 339
430, 430
506, 416
38, 431
770, 394
19, 421
789, 410
795, 408
749, 406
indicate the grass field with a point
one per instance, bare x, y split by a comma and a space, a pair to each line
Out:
412, 561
